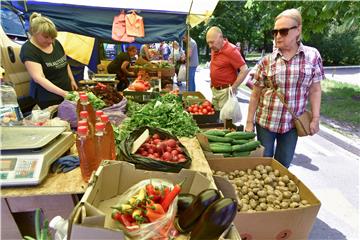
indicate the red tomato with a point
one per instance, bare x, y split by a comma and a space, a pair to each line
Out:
189, 109
205, 111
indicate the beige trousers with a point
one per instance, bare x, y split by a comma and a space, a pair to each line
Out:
219, 97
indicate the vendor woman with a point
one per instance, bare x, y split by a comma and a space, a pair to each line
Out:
120, 66
45, 60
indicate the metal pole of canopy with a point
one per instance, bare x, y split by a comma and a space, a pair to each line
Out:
188, 47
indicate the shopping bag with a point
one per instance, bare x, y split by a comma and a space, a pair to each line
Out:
181, 77
119, 29
231, 109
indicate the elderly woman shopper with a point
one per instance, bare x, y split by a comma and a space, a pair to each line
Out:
45, 60
295, 72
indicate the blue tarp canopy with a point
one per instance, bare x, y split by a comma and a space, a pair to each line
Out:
96, 21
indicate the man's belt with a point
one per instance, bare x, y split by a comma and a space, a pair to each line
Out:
220, 87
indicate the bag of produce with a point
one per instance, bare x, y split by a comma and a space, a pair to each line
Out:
161, 151
147, 210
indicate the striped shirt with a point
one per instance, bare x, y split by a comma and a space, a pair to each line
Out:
292, 79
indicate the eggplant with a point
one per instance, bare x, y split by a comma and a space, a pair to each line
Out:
217, 217
184, 201
192, 214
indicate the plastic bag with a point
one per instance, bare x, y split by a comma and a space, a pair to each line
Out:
155, 230
181, 77
231, 109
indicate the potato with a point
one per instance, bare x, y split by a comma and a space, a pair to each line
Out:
270, 198
241, 173
287, 194
268, 168
262, 200
284, 205
276, 173
260, 167
263, 206
295, 197
261, 193
268, 180
304, 202
294, 205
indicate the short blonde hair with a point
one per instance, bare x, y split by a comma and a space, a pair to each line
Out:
40, 24
293, 14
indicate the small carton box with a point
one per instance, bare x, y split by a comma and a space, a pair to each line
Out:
290, 224
203, 140
93, 213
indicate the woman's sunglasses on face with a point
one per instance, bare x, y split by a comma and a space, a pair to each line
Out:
283, 31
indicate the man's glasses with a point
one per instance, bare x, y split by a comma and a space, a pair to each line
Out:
283, 31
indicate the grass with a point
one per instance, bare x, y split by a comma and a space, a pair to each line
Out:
341, 102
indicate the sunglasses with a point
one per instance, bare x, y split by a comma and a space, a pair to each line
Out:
283, 31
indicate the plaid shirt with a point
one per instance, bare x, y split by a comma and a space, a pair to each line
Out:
292, 79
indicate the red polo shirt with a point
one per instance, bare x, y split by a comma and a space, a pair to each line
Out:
225, 64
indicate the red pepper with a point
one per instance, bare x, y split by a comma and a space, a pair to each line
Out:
152, 193
152, 215
170, 197
116, 215
157, 208
125, 220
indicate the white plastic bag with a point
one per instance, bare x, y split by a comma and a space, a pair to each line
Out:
181, 77
154, 230
231, 109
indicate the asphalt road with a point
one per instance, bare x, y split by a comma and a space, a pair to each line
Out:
327, 169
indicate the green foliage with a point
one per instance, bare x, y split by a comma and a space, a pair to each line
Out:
252, 21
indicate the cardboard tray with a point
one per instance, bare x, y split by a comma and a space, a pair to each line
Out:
290, 224
203, 140
189, 101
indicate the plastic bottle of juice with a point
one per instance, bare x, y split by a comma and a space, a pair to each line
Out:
84, 116
98, 114
85, 148
109, 135
84, 105
101, 147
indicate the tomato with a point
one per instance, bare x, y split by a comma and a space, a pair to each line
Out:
168, 149
195, 109
206, 103
189, 109
139, 87
156, 136
204, 111
171, 143
201, 107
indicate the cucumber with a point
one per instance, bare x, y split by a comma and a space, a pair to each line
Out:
241, 154
212, 138
220, 148
239, 142
250, 146
215, 132
240, 135
221, 143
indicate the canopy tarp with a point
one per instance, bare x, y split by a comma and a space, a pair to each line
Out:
164, 20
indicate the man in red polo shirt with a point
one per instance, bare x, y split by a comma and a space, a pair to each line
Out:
226, 61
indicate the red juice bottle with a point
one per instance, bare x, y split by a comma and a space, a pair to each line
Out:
101, 147
84, 116
84, 105
109, 135
85, 148
98, 114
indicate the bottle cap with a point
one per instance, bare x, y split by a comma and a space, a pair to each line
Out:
82, 130
83, 97
105, 118
82, 123
84, 114
98, 113
99, 126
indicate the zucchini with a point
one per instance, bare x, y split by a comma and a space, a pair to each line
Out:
220, 148
250, 146
241, 154
239, 142
240, 135
215, 132
212, 138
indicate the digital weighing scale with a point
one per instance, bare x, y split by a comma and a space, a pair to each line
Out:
28, 152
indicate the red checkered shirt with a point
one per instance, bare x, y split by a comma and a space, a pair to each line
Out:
292, 79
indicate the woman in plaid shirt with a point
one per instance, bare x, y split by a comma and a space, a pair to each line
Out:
295, 71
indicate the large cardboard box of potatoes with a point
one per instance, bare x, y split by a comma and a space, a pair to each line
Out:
293, 222
91, 218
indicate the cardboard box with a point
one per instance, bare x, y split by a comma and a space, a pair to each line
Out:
288, 224
196, 97
93, 213
202, 119
203, 140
